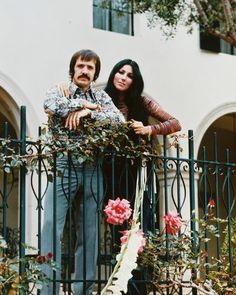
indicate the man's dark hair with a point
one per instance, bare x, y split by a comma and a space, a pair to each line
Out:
133, 97
87, 55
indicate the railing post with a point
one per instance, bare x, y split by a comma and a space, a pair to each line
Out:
218, 241
229, 212
165, 175
192, 198
39, 190
5, 195
22, 182
55, 252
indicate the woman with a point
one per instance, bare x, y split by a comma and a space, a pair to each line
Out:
125, 86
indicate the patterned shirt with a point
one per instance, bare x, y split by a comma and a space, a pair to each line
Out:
61, 106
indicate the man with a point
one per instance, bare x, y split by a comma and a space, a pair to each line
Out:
69, 108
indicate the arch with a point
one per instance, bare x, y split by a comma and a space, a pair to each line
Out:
219, 111
12, 98
216, 143
9, 110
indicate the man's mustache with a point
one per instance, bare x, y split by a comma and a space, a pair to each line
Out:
84, 76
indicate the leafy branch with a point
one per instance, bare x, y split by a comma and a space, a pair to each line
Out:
216, 17
94, 138
170, 259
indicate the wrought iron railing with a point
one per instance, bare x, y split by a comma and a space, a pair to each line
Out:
185, 185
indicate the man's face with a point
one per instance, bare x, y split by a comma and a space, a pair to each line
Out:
84, 72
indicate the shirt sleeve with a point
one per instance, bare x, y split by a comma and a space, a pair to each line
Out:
166, 124
60, 105
108, 109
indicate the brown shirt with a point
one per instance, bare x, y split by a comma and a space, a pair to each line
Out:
166, 123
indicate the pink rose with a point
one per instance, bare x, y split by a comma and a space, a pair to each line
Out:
118, 211
173, 222
124, 238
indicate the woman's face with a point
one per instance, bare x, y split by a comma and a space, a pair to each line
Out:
123, 78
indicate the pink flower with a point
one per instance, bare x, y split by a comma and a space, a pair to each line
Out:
124, 238
117, 211
173, 222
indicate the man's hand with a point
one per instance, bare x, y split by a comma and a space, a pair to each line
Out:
92, 106
140, 129
73, 119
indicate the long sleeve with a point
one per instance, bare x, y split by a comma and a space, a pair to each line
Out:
166, 123
108, 109
57, 104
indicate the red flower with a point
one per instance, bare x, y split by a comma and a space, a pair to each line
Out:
49, 255
173, 222
117, 211
212, 203
41, 259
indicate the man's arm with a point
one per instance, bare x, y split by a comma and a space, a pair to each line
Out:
106, 110
56, 103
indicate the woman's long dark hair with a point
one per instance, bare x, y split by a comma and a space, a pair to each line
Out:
133, 97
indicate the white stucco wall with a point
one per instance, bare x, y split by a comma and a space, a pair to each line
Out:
39, 37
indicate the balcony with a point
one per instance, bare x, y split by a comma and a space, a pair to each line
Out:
194, 188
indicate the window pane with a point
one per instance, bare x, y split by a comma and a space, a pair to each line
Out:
234, 51
121, 5
100, 18
120, 22
117, 16
225, 47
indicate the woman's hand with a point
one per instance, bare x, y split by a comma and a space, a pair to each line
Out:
140, 129
73, 119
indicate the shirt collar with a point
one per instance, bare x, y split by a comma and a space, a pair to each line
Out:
73, 88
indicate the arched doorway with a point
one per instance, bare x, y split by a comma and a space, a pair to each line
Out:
219, 145
9, 180
215, 140
223, 131
217, 181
